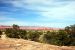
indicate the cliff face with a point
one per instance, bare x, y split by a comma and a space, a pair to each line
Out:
20, 44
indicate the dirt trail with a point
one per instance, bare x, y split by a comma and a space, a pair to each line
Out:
20, 44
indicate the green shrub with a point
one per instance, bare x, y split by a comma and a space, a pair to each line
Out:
34, 36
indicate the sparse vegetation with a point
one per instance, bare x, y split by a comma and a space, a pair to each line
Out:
0, 33
64, 37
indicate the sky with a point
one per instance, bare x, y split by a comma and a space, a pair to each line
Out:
48, 13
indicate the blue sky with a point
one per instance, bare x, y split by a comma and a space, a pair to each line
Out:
48, 13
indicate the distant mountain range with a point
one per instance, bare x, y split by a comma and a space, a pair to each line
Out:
31, 27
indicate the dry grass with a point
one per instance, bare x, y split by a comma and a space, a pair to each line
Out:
20, 44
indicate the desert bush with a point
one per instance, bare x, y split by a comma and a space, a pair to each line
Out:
57, 38
0, 32
34, 36
64, 37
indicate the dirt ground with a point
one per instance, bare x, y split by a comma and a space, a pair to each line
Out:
20, 44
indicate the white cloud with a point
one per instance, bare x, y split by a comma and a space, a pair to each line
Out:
21, 23
49, 8
50, 24
6, 18
57, 11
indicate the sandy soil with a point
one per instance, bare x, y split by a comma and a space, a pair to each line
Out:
20, 44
